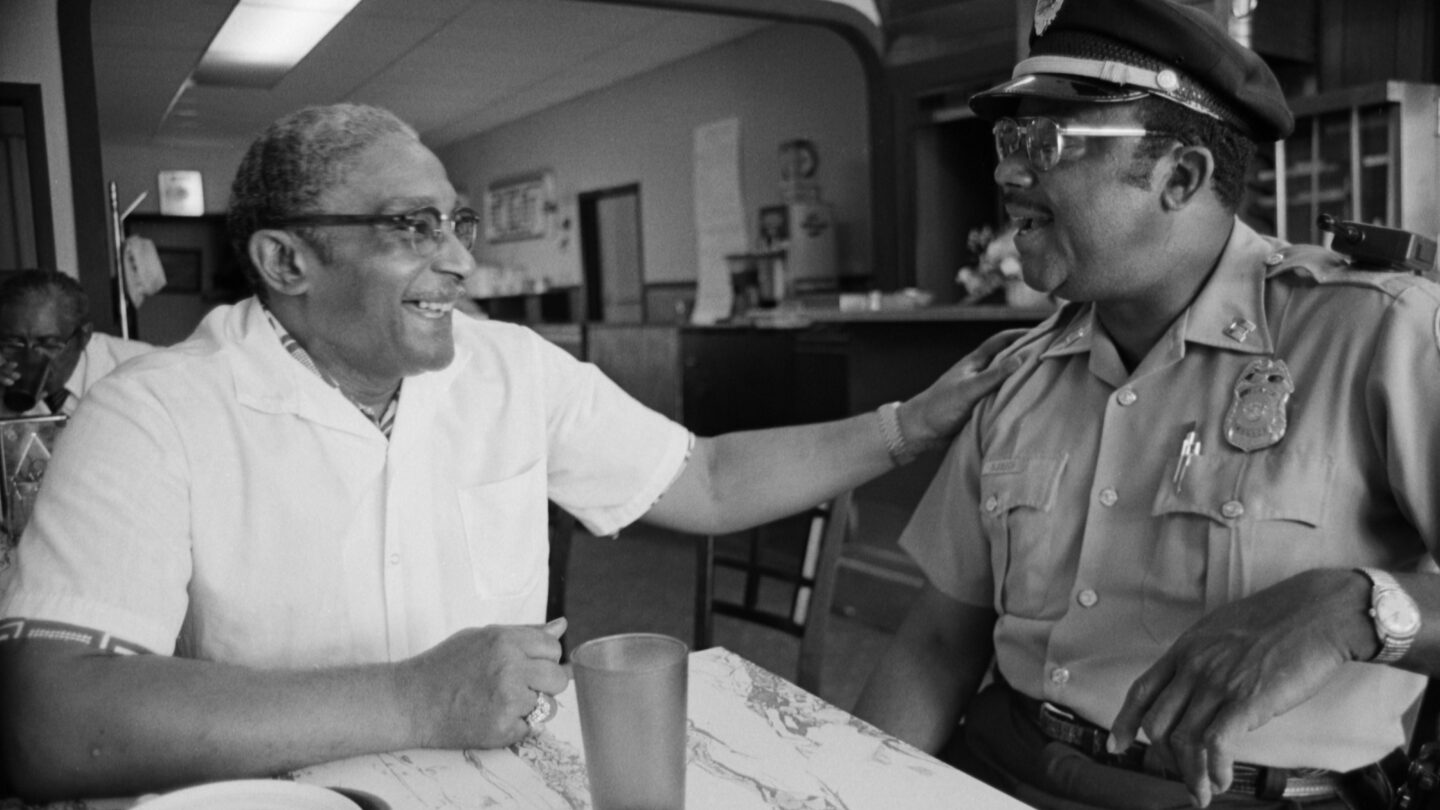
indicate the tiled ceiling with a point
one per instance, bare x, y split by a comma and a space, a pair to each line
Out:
452, 68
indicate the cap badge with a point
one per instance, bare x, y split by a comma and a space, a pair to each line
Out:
1256, 418
1168, 80
1045, 11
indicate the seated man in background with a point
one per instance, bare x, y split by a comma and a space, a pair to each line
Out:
49, 346
1205, 506
317, 528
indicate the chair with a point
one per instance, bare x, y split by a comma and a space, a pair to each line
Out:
813, 581
562, 530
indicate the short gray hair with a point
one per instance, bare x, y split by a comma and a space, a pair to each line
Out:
295, 160
47, 284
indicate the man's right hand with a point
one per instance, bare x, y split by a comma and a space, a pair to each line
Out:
9, 375
474, 689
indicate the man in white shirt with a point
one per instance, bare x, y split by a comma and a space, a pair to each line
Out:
50, 350
317, 528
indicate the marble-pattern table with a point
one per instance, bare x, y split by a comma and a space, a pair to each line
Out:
755, 741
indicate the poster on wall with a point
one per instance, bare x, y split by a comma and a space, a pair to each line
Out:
519, 208
719, 217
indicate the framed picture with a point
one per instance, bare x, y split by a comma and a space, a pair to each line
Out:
519, 208
774, 225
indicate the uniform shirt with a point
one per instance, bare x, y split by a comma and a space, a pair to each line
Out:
218, 500
1057, 505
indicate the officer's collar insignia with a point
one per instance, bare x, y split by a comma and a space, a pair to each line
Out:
1045, 11
1240, 329
1257, 418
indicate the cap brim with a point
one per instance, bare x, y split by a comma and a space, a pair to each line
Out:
1002, 98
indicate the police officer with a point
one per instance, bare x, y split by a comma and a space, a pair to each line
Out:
1194, 532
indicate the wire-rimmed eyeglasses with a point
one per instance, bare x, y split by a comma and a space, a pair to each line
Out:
48, 345
425, 227
1043, 139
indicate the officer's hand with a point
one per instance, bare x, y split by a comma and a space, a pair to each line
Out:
1240, 666
474, 689
936, 414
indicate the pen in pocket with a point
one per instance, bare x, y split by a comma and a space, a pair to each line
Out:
1189, 449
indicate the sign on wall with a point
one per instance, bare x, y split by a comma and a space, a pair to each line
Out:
519, 207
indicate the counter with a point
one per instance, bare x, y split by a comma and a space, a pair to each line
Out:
828, 364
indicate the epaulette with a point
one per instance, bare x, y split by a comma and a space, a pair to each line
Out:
1325, 266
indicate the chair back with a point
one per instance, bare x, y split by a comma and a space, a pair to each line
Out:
812, 580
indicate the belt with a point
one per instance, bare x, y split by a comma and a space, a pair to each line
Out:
1260, 781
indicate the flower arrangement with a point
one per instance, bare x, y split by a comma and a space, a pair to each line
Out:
996, 262
996, 271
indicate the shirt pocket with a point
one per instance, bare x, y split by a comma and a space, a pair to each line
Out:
1017, 499
505, 533
1239, 523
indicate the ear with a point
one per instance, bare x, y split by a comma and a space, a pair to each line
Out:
281, 260
83, 335
1191, 169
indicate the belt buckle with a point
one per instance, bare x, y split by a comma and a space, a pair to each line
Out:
1055, 711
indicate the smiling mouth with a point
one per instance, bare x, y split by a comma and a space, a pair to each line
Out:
432, 309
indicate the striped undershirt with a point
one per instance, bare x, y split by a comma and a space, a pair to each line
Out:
384, 420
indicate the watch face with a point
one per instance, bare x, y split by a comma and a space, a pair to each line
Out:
1397, 614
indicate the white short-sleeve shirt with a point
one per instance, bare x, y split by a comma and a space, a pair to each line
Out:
218, 500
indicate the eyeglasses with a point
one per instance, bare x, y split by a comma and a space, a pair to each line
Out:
425, 227
1043, 139
49, 346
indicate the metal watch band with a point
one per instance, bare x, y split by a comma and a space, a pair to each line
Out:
900, 451
1392, 648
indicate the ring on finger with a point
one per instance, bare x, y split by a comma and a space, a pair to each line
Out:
545, 708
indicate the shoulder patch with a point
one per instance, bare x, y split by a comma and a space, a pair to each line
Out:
1326, 267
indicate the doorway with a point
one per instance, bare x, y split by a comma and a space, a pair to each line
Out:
611, 256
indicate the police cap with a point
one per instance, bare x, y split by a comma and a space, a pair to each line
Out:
1122, 50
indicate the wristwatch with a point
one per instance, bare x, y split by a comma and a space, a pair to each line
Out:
1395, 614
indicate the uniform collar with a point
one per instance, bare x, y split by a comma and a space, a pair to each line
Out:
1228, 314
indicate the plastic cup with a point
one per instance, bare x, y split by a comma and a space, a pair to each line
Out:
27, 391
631, 690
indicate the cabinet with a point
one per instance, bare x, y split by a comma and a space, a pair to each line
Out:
1369, 154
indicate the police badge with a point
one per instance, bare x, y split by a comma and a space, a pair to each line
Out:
1045, 11
1256, 418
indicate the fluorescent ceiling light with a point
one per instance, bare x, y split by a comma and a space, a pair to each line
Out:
262, 40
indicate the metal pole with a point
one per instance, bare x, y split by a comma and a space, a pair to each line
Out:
118, 232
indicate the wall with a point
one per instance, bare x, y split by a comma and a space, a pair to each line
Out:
136, 168
30, 54
783, 82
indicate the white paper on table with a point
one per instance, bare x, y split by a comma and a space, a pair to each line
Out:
719, 217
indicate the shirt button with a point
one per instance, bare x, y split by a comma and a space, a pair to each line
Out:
1108, 496
1274, 259
1060, 675
394, 559
1127, 396
1087, 598
992, 503
1232, 509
